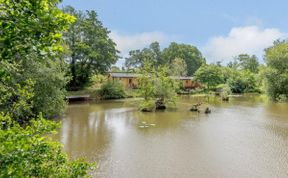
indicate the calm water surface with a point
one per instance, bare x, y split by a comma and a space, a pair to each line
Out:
246, 137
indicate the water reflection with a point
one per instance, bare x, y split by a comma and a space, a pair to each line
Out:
245, 137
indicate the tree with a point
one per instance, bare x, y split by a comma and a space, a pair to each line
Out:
178, 67
112, 90
146, 81
242, 81
31, 34
246, 62
155, 88
210, 75
92, 51
156, 54
191, 55
115, 69
32, 80
31, 27
165, 87
276, 74
15, 98
137, 58
233, 64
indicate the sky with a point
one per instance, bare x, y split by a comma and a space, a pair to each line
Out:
220, 29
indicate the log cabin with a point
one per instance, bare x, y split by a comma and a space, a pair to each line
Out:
130, 80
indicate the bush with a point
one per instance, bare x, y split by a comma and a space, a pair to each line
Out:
24, 152
112, 90
276, 73
156, 86
210, 75
242, 82
226, 91
147, 105
97, 81
31, 88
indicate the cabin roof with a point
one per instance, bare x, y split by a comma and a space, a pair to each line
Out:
181, 78
124, 75
134, 75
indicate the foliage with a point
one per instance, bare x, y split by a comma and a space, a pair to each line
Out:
226, 91
178, 67
31, 27
169, 56
15, 97
210, 75
165, 87
152, 54
32, 48
91, 49
276, 73
246, 62
146, 81
112, 90
97, 81
155, 85
32, 79
190, 54
49, 88
115, 69
242, 81
147, 105
24, 152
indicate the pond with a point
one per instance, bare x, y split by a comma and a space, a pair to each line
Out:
245, 137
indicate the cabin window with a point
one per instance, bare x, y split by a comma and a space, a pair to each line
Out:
187, 81
130, 81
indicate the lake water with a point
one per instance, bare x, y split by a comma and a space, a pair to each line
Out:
245, 137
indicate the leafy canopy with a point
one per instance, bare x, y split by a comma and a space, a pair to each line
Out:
210, 75
191, 57
24, 152
31, 39
190, 54
276, 74
91, 49
155, 86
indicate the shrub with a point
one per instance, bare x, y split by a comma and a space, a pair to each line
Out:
24, 152
147, 105
156, 86
210, 75
226, 91
112, 90
242, 81
276, 73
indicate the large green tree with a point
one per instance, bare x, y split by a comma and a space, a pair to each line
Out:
247, 62
191, 55
152, 54
32, 80
210, 75
178, 67
241, 81
31, 44
155, 86
91, 49
276, 74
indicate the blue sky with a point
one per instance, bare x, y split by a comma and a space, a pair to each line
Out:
221, 29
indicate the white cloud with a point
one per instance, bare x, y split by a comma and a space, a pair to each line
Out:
125, 43
248, 39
